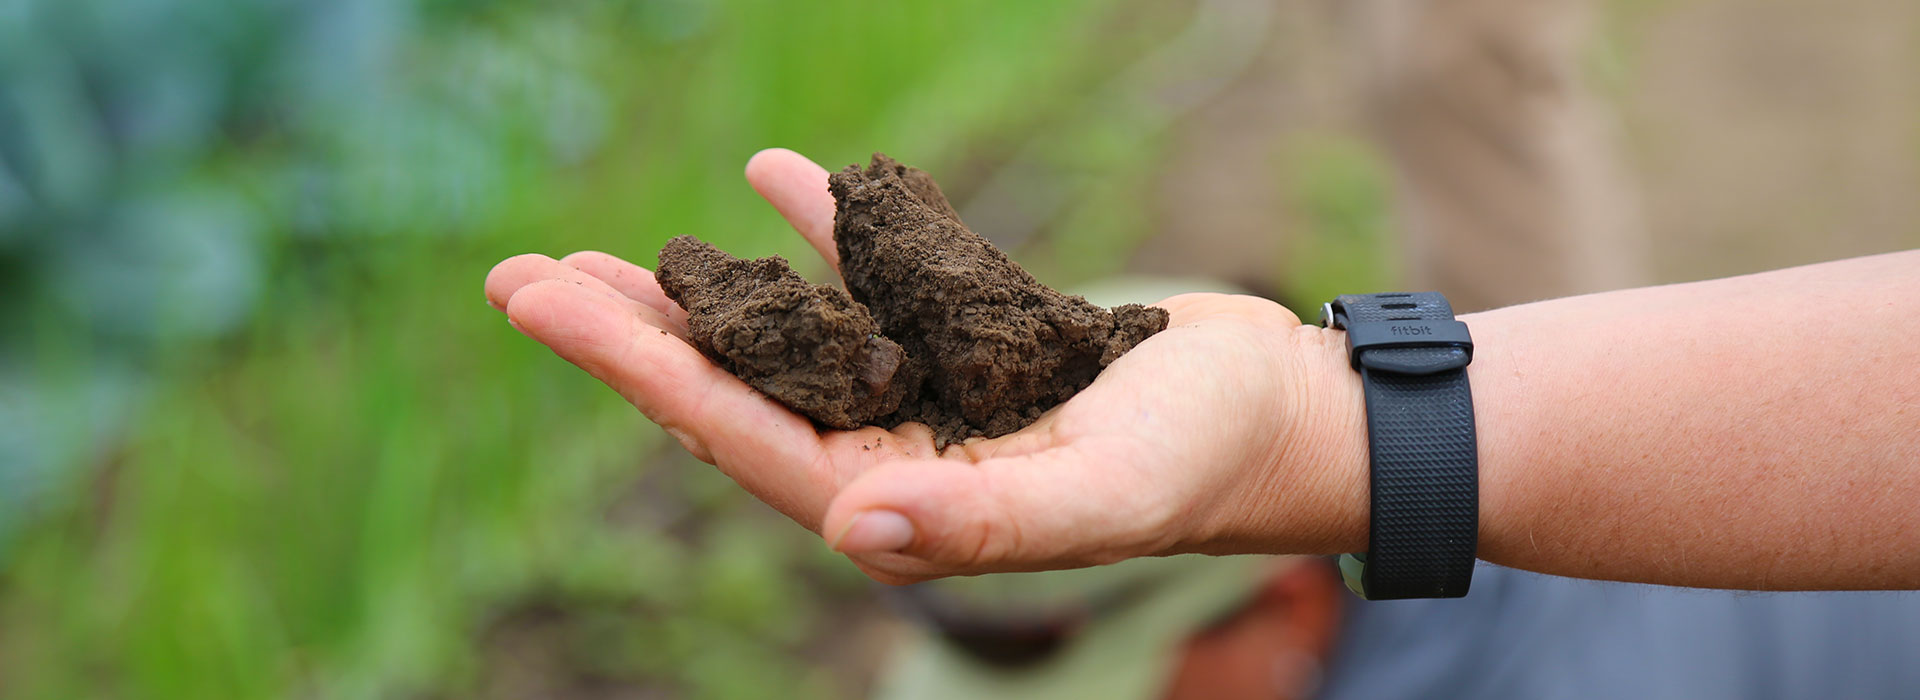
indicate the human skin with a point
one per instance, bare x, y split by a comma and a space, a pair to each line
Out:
1759, 432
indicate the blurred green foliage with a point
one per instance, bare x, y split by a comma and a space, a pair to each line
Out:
259, 436
1341, 190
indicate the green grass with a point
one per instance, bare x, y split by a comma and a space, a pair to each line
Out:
357, 493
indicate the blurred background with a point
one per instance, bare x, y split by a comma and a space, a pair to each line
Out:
261, 437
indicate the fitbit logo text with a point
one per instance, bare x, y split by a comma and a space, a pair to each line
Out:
1412, 330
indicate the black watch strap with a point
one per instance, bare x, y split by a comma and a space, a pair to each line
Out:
1424, 488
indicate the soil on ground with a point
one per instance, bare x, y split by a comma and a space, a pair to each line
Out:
936, 325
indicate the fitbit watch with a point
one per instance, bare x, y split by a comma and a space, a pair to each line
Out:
1424, 482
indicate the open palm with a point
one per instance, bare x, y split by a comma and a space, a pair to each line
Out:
1196, 440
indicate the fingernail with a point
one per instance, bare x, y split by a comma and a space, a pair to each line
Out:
874, 531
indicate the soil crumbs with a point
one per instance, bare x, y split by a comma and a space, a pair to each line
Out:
935, 325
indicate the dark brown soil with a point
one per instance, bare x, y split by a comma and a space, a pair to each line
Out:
936, 325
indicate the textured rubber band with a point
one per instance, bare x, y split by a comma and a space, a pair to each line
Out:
1423, 490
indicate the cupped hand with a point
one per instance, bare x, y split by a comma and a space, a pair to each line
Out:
1235, 430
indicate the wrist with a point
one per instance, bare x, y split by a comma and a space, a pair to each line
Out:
1503, 411
1311, 486
1310, 491
1337, 434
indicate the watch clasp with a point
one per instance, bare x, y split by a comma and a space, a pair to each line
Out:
1330, 318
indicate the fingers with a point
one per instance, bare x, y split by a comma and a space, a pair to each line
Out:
798, 189
636, 282
515, 273
773, 453
1072, 506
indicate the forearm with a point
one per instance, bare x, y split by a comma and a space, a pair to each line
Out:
1756, 432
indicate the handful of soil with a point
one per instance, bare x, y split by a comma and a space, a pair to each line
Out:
935, 326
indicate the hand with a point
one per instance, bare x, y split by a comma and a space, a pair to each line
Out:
1235, 430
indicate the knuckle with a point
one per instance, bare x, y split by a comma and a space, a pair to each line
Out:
580, 256
989, 535
691, 443
528, 258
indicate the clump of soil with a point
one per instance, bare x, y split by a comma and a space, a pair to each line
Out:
808, 345
935, 326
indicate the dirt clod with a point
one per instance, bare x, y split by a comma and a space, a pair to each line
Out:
935, 326
808, 345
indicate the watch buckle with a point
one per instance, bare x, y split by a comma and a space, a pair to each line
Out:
1329, 319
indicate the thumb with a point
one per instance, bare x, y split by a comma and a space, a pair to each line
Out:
1061, 508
